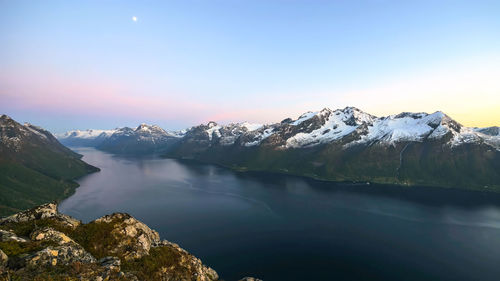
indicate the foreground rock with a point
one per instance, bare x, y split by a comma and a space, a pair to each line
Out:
42, 244
139, 238
6, 235
62, 255
45, 211
3, 259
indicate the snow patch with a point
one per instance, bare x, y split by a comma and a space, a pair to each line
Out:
85, 134
304, 117
34, 129
405, 127
213, 129
260, 137
251, 126
334, 128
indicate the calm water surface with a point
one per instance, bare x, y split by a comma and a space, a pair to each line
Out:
289, 228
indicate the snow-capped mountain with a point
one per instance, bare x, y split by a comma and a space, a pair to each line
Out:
342, 144
221, 134
349, 126
34, 167
84, 137
349, 144
14, 136
490, 131
85, 134
143, 139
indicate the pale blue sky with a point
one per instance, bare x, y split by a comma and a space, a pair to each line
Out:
87, 64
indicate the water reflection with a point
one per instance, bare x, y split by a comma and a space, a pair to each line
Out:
293, 228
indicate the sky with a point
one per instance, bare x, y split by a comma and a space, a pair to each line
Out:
105, 64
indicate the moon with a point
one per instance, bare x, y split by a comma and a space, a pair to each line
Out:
134, 18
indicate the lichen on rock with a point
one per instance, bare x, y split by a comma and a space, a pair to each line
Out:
50, 234
52, 246
60, 255
135, 238
44, 211
3, 260
6, 235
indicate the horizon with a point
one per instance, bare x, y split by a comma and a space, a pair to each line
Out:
132, 126
103, 65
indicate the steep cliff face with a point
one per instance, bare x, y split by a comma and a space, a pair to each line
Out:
42, 244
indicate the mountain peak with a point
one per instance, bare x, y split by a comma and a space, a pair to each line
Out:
351, 109
211, 124
355, 116
251, 126
6, 119
325, 110
439, 112
142, 126
490, 131
149, 128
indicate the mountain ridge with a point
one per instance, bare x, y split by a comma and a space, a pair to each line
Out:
314, 128
349, 144
391, 128
145, 138
34, 167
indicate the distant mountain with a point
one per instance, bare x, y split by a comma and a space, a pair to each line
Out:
34, 167
490, 131
141, 140
86, 138
351, 145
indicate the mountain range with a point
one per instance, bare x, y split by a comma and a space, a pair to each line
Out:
349, 126
339, 145
126, 140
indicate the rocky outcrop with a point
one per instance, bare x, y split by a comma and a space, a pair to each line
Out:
49, 234
60, 255
4, 274
191, 262
45, 244
44, 211
6, 235
111, 263
3, 259
67, 251
134, 237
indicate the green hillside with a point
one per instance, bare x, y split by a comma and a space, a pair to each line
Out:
34, 167
474, 167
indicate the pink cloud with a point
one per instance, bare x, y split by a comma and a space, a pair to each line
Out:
55, 93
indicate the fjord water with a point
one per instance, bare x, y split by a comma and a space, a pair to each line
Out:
279, 227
